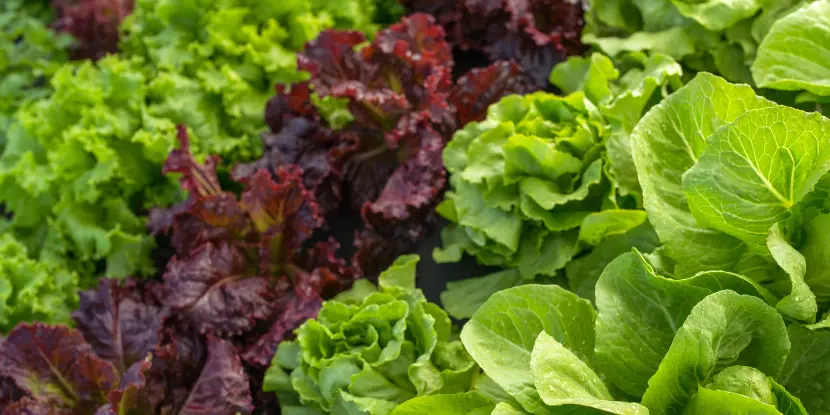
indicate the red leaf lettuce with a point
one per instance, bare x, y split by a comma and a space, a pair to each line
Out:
537, 34
385, 160
93, 23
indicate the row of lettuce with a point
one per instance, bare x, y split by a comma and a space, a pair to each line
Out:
685, 216
226, 263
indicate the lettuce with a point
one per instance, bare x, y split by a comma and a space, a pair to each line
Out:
726, 194
82, 157
370, 349
81, 163
535, 34
29, 53
715, 35
31, 290
711, 343
368, 128
787, 42
227, 56
53, 369
546, 178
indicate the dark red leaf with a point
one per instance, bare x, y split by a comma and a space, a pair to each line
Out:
53, 365
9, 393
212, 289
131, 393
478, 89
29, 406
536, 60
299, 309
121, 321
536, 34
93, 23
283, 212
416, 40
416, 185
222, 386
199, 180
403, 212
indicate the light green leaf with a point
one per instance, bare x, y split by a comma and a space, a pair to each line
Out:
794, 54
746, 381
584, 272
667, 142
675, 42
562, 379
501, 335
724, 329
469, 403
462, 298
800, 304
815, 246
718, 14
597, 227
786, 403
641, 311
757, 169
401, 274
569, 76
707, 401
503, 408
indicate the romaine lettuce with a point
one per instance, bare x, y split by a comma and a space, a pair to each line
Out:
656, 345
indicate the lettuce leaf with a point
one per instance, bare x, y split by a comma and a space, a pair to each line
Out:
787, 43
714, 35
696, 190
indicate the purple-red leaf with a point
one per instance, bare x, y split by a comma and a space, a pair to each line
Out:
29, 406
212, 289
55, 366
474, 92
222, 386
121, 321
300, 308
93, 23
537, 34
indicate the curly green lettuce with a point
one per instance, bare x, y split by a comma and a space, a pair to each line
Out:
33, 290
82, 165
226, 57
30, 53
545, 178
720, 36
369, 350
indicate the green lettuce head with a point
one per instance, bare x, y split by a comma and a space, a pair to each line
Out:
370, 349
719, 36
545, 178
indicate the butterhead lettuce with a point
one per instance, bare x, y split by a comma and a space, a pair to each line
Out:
546, 178
369, 350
